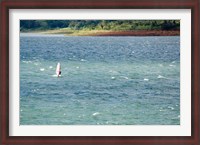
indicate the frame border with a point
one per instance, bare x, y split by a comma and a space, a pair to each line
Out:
194, 5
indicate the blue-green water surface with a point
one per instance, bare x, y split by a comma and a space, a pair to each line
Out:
105, 80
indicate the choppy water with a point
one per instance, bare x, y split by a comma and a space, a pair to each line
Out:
105, 80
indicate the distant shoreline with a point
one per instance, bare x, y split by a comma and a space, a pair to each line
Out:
138, 33
68, 32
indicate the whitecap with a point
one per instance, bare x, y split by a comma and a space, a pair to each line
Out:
172, 65
54, 75
112, 78
34, 90
77, 67
107, 122
145, 79
42, 69
113, 72
83, 60
50, 67
172, 108
25, 61
124, 77
160, 77
96, 113
173, 61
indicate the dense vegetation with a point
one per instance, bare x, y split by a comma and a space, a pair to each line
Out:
120, 25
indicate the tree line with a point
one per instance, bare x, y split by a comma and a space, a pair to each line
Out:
120, 25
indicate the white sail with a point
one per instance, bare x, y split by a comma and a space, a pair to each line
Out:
58, 70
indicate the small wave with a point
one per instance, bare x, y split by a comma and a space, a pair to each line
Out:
34, 90
42, 69
124, 77
112, 78
35, 63
95, 114
83, 60
24, 61
172, 65
160, 77
145, 79
77, 67
107, 122
173, 61
81, 116
56, 75
172, 108
113, 72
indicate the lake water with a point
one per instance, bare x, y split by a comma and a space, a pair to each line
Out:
105, 80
